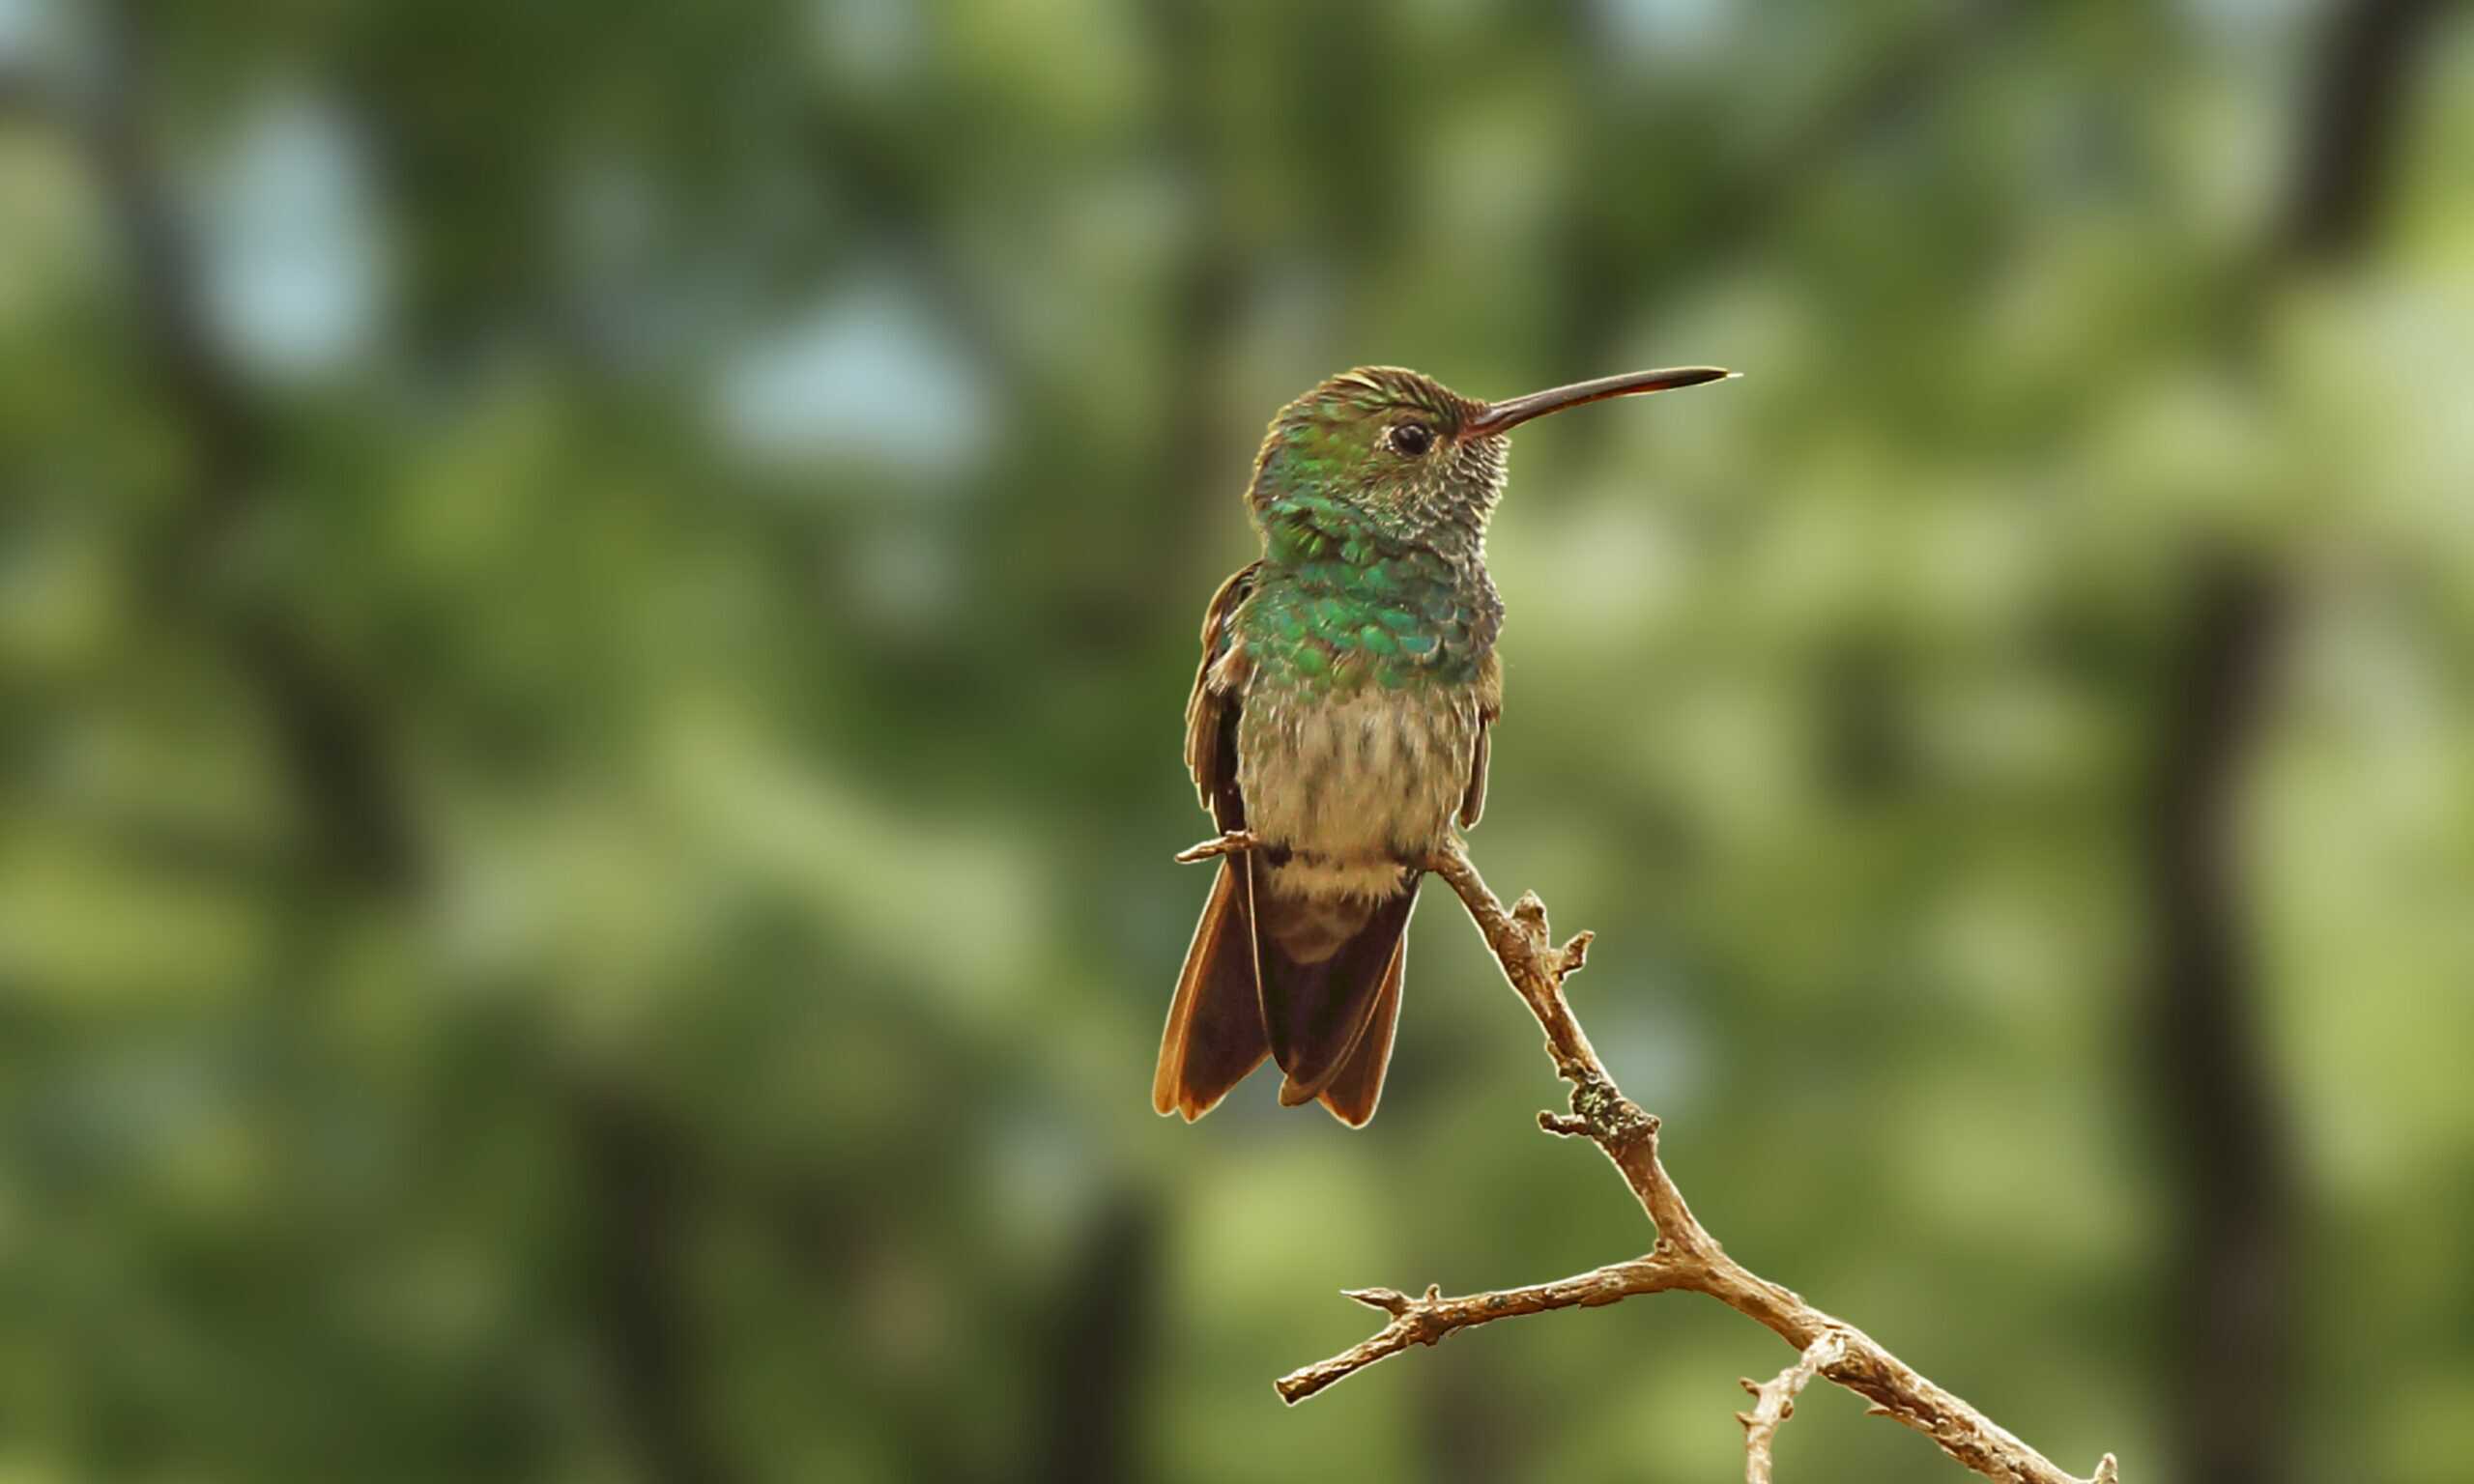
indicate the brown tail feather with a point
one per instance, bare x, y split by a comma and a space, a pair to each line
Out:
1353, 1093
1215, 1031
1316, 1014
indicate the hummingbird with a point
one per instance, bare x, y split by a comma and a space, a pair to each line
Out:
1339, 720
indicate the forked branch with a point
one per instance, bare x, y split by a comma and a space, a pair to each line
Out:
1685, 1256
1773, 1402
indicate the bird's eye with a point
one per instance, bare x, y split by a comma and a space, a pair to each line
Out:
1412, 439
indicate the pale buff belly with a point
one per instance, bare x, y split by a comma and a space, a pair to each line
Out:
1354, 784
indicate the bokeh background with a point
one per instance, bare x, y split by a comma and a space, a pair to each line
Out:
594, 601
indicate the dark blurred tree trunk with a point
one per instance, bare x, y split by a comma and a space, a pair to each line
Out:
2224, 1119
636, 1176
326, 728
2226, 1124
1099, 1350
2350, 129
1200, 472
1471, 1426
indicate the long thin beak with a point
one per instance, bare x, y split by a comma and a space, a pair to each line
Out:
1502, 417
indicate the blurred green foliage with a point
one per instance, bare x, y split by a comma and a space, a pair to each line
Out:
583, 890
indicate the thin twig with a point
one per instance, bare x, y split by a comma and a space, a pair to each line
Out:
1686, 1255
1773, 1402
1426, 1320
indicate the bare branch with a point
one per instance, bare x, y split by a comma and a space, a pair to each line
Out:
1686, 1255
1774, 1402
1429, 1320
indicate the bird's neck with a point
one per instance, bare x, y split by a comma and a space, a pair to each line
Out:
1343, 600
1312, 528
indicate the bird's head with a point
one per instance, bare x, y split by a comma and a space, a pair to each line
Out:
1404, 450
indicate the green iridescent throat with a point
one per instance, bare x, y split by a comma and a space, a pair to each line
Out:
1341, 604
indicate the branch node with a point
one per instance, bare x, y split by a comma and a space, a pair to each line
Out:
1391, 1300
1530, 913
1573, 955
1567, 1124
1606, 1115
1774, 1401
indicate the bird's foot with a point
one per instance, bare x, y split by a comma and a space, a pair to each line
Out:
1233, 843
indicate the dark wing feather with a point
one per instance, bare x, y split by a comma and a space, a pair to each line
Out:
1215, 1031
1210, 710
1491, 705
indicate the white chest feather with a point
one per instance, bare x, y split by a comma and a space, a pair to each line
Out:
1354, 783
